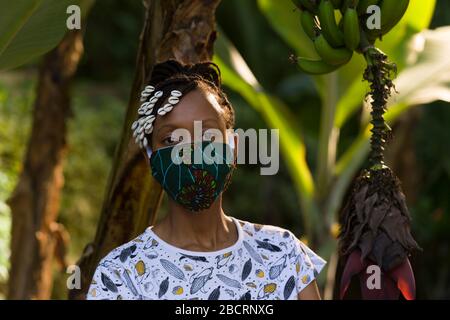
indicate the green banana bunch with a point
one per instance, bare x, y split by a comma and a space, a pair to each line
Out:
330, 55
314, 66
308, 23
391, 13
328, 24
351, 28
348, 3
338, 28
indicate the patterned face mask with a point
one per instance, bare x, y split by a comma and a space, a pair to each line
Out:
194, 174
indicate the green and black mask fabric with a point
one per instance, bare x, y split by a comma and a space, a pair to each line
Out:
194, 174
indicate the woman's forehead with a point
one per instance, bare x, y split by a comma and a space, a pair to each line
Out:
197, 105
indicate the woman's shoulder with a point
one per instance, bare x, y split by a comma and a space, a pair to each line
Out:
121, 255
259, 230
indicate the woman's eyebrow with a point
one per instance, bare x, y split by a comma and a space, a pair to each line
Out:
210, 120
166, 126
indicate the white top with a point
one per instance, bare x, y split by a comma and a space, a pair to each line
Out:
265, 263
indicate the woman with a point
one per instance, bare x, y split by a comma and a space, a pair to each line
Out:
197, 251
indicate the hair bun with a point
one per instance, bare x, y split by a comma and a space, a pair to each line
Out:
165, 70
170, 68
208, 71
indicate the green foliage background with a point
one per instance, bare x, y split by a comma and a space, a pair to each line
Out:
100, 97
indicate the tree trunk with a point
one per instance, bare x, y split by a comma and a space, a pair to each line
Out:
180, 29
36, 199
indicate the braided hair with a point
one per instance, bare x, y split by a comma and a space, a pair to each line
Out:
171, 77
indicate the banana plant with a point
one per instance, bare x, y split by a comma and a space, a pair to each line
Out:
237, 76
342, 94
30, 28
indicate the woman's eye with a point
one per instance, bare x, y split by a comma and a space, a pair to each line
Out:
170, 140
209, 137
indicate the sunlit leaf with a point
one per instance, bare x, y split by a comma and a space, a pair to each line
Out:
284, 18
237, 76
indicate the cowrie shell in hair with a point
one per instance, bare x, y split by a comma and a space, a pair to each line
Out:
146, 104
175, 93
148, 125
142, 135
145, 142
158, 94
149, 122
161, 111
149, 112
149, 130
169, 108
134, 125
153, 99
149, 88
140, 130
173, 100
148, 118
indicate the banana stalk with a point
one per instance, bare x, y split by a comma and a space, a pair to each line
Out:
383, 236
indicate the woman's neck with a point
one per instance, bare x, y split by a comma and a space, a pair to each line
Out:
206, 230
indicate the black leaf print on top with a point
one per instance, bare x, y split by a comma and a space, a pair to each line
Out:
172, 269
125, 253
246, 296
288, 287
214, 295
195, 258
229, 282
163, 287
108, 283
247, 269
267, 245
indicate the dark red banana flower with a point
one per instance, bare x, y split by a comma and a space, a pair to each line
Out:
376, 231
396, 281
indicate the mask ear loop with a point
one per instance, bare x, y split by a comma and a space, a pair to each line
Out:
231, 136
149, 151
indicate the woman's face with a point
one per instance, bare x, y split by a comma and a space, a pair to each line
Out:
197, 105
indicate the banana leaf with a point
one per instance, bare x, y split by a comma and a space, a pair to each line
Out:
30, 28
